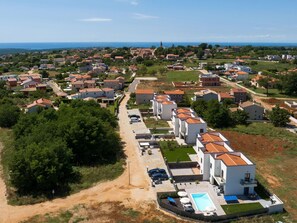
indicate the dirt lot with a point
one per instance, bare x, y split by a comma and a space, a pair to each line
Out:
276, 165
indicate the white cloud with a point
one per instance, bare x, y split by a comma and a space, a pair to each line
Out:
96, 20
143, 16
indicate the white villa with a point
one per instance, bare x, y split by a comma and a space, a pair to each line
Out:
186, 125
234, 172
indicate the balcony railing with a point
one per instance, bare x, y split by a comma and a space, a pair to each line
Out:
248, 181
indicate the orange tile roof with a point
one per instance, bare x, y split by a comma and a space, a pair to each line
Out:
226, 95
215, 148
107, 89
44, 101
241, 73
111, 81
90, 90
183, 116
231, 159
175, 92
211, 137
193, 121
144, 91
167, 102
183, 110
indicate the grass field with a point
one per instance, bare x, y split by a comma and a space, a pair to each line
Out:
266, 65
178, 76
274, 150
89, 175
153, 123
238, 208
175, 153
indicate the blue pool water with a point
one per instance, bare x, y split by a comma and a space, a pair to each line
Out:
202, 201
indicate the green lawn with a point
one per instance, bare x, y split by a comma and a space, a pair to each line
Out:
178, 76
239, 208
153, 123
159, 131
175, 153
271, 92
266, 65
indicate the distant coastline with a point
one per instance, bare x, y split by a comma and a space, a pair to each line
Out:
72, 45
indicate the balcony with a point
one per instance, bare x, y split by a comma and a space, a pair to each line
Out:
220, 180
248, 182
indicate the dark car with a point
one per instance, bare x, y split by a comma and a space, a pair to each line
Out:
159, 176
156, 170
134, 116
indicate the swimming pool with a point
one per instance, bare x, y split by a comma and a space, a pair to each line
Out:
202, 201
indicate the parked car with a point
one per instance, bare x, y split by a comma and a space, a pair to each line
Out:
159, 176
134, 116
188, 208
133, 120
156, 170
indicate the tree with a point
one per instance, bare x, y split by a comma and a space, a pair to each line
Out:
200, 54
290, 84
239, 117
9, 115
217, 115
199, 107
162, 70
42, 167
44, 74
279, 117
264, 82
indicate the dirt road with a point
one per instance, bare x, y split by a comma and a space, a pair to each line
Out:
130, 188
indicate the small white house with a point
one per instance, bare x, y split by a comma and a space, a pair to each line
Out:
157, 101
166, 110
190, 128
90, 92
180, 114
234, 172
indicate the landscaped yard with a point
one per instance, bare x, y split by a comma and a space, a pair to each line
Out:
152, 123
175, 153
239, 208
274, 150
178, 76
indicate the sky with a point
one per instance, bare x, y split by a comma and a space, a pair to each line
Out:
148, 21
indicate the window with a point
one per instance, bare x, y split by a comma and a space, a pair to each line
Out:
247, 176
201, 160
201, 131
222, 173
210, 165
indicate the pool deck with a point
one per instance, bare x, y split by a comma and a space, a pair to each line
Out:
206, 187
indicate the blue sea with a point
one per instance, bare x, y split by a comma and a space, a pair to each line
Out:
71, 45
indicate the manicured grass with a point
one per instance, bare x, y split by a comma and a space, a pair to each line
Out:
159, 131
175, 153
153, 123
239, 208
178, 76
88, 175
271, 92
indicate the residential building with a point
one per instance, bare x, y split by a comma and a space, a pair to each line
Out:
239, 94
234, 172
114, 84
172, 57
90, 92
190, 128
175, 95
38, 104
180, 114
255, 111
144, 96
77, 85
291, 104
166, 109
205, 95
209, 80
241, 76
225, 96
157, 101
12, 82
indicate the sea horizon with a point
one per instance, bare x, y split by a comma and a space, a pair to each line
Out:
73, 45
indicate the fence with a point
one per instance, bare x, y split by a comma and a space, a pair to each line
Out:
224, 218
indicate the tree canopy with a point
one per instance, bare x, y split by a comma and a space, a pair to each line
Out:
279, 117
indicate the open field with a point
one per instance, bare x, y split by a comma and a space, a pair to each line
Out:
174, 153
238, 208
89, 175
182, 76
267, 65
274, 150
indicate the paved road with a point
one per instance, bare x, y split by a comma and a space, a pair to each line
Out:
56, 88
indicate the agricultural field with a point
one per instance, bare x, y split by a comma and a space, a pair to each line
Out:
274, 151
178, 76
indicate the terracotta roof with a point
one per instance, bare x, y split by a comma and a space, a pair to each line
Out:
184, 116
168, 102
111, 81
78, 83
90, 90
241, 73
44, 101
144, 91
211, 137
183, 110
231, 159
215, 148
247, 104
107, 89
193, 121
226, 95
175, 92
